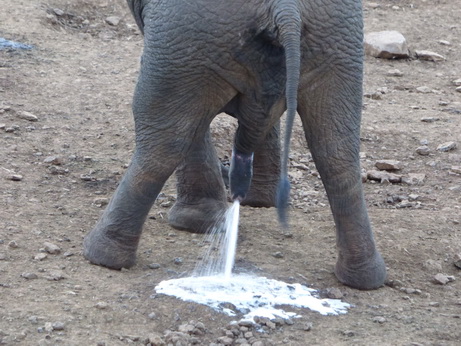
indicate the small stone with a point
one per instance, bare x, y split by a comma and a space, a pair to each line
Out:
447, 146
379, 319
52, 248
68, 254
101, 305
277, 254
15, 177
429, 119
156, 340
101, 201
429, 55
13, 244
456, 169
388, 165
348, 333
457, 82
154, 265
225, 340
152, 315
423, 150
53, 160
178, 261
383, 176
29, 276
457, 261
424, 89
40, 256
55, 275
458, 89
395, 73
413, 179
3, 256
48, 327
27, 116
58, 326
386, 45
334, 293
441, 279
113, 20
445, 43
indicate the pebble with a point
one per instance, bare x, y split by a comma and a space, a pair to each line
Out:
101, 201
445, 43
388, 165
457, 260
154, 265
424, 89
423, 150
386, 45
52, 248
13, 244
443, 279
383, 176
414, 178
277, 254
55, 275
58, 326
458, 89
15, 177
178, 260
29, 276
429, 55
40, 256
27, 116
101, 305
457, 82
395, 73
447, 146
3, 256
429, 119
113, 20
334, 293
53, 160
379, 319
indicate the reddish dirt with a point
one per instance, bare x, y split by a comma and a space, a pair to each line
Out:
79, 80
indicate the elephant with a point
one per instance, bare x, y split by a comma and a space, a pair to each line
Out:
251, 59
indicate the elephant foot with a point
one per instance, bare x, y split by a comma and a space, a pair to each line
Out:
114, 254
367, 275
196, 217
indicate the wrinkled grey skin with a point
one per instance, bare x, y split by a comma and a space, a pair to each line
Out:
244, 57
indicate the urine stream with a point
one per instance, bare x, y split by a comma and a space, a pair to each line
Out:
214, 284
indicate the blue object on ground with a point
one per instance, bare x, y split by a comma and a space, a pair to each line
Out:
12, 45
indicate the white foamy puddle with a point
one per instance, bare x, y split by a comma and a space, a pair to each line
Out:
251, 296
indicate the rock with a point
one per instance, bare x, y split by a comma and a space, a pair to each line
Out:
156, 340
29, 276
443, 279
394, 73
429, 56
334, 293
58, 325
455, 169
379, 319
13, 244
178, 261
101, 305
53, 160
225, 340
457, 82
424, 89
445, 43
55, 275
52, 248
457, 261
447, 146
423, 150
277, 254
383, 176
113, 20
429, 119
15, 177
3, 256
154, 266
386, 45
40, 256
48, 327
27, 116
101, 201
388, 165
458, 89
414, 178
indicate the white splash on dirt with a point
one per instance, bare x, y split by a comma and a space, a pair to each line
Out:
249, 296
246, 296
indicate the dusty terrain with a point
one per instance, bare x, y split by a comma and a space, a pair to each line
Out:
56, 174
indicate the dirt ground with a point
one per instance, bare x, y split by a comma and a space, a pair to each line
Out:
58, 172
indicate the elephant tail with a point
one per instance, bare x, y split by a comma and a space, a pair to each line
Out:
287, 19
136, 7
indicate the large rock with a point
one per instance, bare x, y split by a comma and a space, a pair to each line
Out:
386, 45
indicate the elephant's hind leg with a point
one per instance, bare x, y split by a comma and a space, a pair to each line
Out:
201, 196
